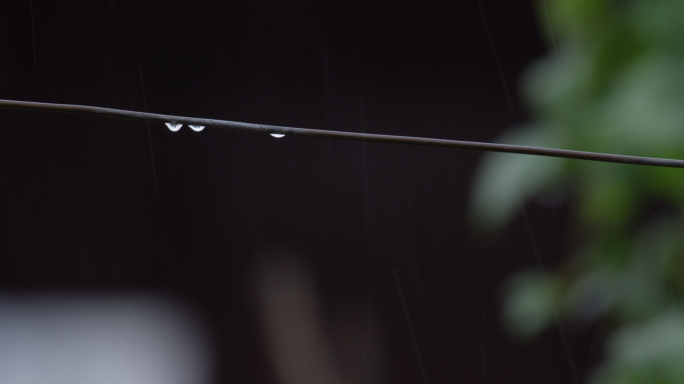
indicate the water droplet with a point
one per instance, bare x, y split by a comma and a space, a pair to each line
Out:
174, 127
277, 135
196, 128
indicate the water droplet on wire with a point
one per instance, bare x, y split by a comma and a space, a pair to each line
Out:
174, 127
196, 128
277, 135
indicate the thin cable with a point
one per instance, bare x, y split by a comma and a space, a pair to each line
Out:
234, 125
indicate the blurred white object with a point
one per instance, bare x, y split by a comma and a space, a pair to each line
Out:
100, 340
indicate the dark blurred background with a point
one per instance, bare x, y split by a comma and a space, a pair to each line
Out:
92, 204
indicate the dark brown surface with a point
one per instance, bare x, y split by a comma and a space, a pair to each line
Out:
79, 210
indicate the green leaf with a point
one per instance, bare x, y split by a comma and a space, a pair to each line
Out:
505, 180
529, 305
650, 352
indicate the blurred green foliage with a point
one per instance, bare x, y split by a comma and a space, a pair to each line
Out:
615, 85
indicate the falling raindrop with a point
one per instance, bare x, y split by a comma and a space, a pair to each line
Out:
196, 128
174, 127
277, 135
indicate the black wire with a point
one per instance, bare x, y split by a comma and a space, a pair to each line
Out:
234, 125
